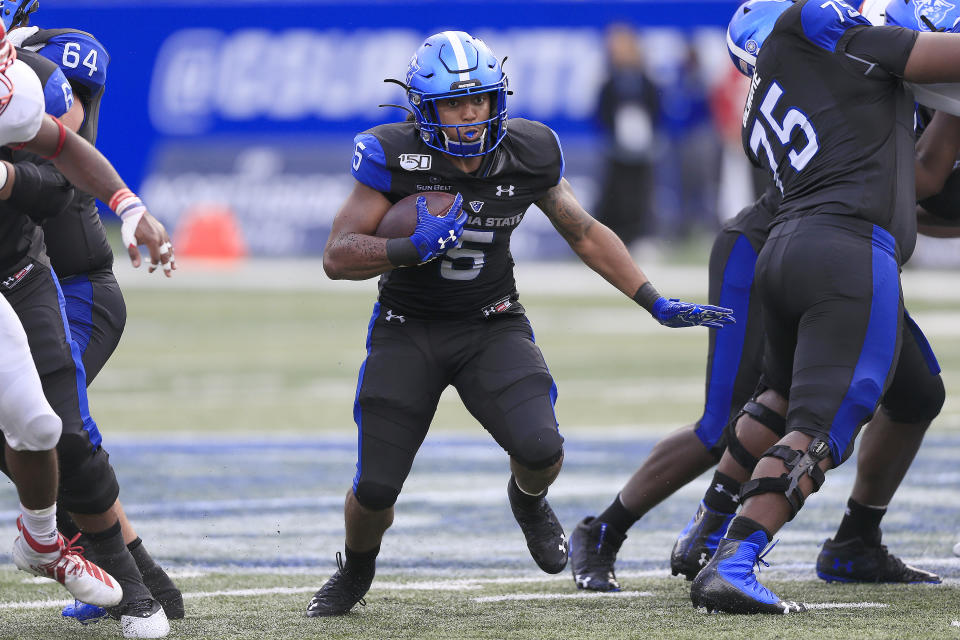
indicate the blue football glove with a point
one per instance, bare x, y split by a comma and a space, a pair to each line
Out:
436, 235
674, 313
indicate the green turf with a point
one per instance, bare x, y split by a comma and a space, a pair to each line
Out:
662, 612
210, 360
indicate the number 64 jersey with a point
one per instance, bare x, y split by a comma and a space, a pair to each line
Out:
828, 114
475, 279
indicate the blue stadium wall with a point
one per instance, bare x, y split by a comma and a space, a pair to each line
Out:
253, 105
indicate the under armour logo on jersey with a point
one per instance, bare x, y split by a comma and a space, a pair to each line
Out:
15, 279
443, 241
392, 316
476, 205
501, 190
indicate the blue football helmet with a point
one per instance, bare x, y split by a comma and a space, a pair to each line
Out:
450, 64
924, 15
749, 27
13, 13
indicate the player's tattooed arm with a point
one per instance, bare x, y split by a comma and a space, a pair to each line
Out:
595, 244
352, 251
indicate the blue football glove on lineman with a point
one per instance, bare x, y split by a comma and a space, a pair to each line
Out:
435, 235
675, 313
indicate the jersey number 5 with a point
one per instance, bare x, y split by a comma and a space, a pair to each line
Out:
784, 129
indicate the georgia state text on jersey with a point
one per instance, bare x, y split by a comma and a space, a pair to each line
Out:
392, 159
828, 114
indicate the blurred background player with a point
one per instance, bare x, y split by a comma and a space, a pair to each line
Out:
77, 244
448, 312
833, 331
629, 112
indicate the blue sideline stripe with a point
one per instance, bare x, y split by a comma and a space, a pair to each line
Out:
554, 391
928, 355
879, 345
78, 294
81, 375
728, 348
357, 413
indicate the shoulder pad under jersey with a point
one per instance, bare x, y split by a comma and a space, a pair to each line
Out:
21, 119
57, 93
81, 57
369, 162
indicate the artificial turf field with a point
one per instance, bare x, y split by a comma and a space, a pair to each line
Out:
227, 412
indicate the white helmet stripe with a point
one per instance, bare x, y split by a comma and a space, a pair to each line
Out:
740, 53
459, 52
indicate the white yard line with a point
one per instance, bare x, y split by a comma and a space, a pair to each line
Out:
565, 596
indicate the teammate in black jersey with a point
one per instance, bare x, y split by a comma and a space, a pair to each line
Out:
80, 254
828, 114
448, 312
88, 487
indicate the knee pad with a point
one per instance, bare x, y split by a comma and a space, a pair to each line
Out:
374, 496
797, 463
39, 433
762, 414
921, 403
88, 483
539, 450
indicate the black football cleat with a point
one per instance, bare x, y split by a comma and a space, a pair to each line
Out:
545, 538
698, 541
593, 551
342, 591
855, 561
728, 583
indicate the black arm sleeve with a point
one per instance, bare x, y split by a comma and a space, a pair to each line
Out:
887, 47
946, 204
40, 192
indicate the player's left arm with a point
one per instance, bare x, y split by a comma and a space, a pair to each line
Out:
593, 242
601, 250
87, 169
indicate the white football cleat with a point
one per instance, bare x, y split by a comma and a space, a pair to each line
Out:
63, 562
144, 619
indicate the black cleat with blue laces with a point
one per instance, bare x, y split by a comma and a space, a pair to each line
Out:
593, 551
698, 541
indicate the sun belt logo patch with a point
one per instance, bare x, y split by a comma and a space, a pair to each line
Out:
476, 205
416, 161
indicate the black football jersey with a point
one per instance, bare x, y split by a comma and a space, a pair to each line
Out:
392, 159
20, 236
76, 240
828, 114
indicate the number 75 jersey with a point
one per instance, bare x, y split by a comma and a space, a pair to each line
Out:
828, 115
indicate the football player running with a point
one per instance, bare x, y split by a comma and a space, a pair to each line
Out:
828, 274
79, 251
449, 314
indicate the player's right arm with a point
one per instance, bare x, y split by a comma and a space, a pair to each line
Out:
352, 251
